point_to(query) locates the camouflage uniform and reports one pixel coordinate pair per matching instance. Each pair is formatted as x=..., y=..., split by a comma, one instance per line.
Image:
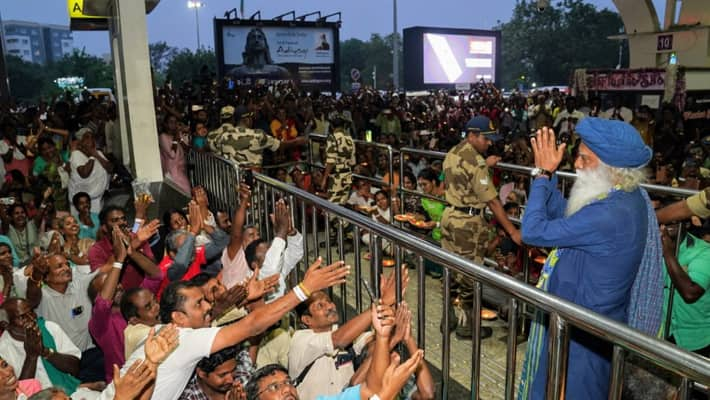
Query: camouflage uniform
x=340, y=151
x=242, y=145
x=468, y=184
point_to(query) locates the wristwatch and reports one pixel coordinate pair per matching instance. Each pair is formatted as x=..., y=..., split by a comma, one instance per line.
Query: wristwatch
x=537, y=171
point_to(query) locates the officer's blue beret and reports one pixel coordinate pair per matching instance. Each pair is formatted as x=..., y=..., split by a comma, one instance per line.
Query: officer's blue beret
x=616, y=143
x=483, y=125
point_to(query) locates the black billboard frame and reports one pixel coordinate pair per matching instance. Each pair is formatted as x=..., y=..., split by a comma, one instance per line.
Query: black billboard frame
x=220, y=23
x=413, y=39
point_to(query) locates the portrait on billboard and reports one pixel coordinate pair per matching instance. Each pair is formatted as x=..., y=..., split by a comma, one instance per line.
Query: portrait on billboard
x=258, y=63
x=323, y=44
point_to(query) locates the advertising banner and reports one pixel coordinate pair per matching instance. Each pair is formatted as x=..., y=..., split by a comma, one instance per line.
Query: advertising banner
x=253, y=54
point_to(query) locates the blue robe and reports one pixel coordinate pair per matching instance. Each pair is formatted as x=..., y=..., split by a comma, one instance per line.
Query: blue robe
x=602, y=246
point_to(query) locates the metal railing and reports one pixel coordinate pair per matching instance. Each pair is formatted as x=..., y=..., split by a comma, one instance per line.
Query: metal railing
x=212, y=171
x=563, y=314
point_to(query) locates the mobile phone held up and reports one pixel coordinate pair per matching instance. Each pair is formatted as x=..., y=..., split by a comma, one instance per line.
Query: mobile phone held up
x=248, y=178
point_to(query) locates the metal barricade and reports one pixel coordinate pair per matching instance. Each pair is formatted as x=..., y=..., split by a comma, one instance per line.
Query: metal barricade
x=215, y=173
x=390, y=152
x=563, y=314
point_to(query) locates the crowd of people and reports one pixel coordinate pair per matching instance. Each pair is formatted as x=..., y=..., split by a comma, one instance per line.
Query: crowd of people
x=103, y=304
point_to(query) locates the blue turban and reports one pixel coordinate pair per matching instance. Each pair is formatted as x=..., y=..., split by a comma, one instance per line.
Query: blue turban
x=616, y=143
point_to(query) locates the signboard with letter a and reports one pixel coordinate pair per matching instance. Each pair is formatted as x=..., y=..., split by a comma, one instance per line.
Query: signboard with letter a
x=83, y=18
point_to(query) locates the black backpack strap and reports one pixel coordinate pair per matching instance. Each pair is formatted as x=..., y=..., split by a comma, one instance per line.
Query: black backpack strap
x=303, y=373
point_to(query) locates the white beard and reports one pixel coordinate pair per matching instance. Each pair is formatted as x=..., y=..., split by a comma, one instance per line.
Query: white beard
x=590, y=184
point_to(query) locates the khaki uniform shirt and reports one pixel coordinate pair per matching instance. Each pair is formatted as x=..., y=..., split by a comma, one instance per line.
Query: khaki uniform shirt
x=698, y=203
x=468, y=183
x=242, y=145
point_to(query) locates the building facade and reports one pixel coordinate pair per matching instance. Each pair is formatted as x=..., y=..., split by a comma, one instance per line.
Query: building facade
x=37, y=43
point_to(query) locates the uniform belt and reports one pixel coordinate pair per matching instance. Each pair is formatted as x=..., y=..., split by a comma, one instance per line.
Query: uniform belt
x=345, y=169
x=469, y=210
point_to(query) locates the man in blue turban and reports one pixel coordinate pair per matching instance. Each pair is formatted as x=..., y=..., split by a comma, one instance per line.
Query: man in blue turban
x=606, y=253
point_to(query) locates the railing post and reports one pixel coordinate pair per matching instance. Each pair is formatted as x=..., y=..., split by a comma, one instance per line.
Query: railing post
x=685, y=389
x=341, y=256
x=558, y=355
x=616, y=385
x=391, y=183
x=446, y=340
x=421, y=303
x=328, y=254
x=376, y=262
x=512, y=349
x=476, y=351
x=304, y=232
x=358, y=269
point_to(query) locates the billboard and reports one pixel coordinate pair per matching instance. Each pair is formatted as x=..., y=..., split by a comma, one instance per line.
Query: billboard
x=253, y=52
x=449, y=58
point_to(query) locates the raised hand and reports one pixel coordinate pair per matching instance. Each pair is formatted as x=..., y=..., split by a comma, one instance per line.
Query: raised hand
x=396, y=375
x=317, y=278
x=40, y=266
x=55, y=246
x=158, y=347
x=194, y=217
x=281, y=219
x=382, y=319
x=388, y=287
x=33, y=340
x=244, y=195
x=119, y=247
x=236, y=392
x=548, y=154
x=236, y=296
x=401, y=323
x=257, y=288
x=146, y=231
x=130, y=385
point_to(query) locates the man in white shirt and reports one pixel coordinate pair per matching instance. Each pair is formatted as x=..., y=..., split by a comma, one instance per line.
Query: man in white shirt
x=568, y=118
x=64, y=300
x=318, y=359
x=22, y=346
x=619, y=112
x=89, y=170
x=183, y=304
x=282, y=256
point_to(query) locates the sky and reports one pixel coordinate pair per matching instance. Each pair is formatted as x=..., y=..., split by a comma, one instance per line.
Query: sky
x=171, y=21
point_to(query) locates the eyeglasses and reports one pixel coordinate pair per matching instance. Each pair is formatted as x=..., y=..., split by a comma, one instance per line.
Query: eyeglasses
x=276, y=386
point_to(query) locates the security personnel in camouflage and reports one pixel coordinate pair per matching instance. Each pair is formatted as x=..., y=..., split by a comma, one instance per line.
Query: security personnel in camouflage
x=242, y=144
x=469, y=189
x=339, y=160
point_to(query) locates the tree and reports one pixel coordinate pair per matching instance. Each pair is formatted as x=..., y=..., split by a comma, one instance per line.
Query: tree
x=96, y=72
x=29, y=81
x=365, y=56
x=546, y=46
x=26, y=79
x=186, y=65
x=160, y=55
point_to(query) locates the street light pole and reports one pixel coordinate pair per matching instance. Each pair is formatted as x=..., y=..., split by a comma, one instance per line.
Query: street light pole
x=395, y=47
x=196, y=5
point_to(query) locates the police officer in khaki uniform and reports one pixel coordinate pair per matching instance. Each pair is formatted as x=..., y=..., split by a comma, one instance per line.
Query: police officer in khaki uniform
x=241, y=143
x=469, y=189
x=339, y=160
x=696, y=204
